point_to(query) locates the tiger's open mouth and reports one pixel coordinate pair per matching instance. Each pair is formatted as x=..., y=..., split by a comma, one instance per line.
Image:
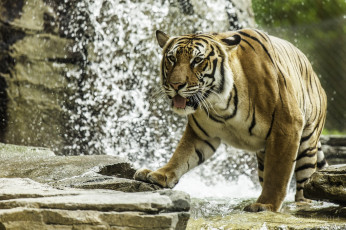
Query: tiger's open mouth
x=180, y=102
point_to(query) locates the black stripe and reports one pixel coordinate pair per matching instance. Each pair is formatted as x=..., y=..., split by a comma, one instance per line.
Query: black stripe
x=305, y=153
x=194, y=119
x=321, y=163
x=211, y=117
x=260, y=33
x=201, y=39
x=235, y=104
x=228, y=101
x=260, y=166
x=256, y=39
x=308, y=136
x=205, y=66
x=249, y=44
x=319, y=149
x=211, y=53
x=271, y=125
x=302, y=181
x=253, y=122
x=222, y=83
x=210, y=145
x=212, y=75
x=200, y=157
x=199, y=44
x=306, y=166
x=260, y=179
x=299, y=188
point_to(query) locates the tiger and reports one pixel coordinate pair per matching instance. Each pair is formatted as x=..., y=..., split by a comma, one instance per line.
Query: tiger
x=252, y=91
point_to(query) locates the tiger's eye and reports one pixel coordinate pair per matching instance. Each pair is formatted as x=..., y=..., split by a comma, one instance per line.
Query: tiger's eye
x=198, y=59
x=171, y=58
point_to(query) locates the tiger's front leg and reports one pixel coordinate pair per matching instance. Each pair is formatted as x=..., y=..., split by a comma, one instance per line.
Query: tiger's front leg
x=191, y=151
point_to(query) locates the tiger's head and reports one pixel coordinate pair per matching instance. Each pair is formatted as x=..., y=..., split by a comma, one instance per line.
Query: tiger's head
x=194, y=69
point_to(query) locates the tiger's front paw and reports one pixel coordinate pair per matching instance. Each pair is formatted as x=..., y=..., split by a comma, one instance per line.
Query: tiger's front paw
x=160, y=177
x=258, y=207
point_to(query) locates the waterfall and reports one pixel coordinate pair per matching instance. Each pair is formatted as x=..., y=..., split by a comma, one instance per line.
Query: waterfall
x=119, y=110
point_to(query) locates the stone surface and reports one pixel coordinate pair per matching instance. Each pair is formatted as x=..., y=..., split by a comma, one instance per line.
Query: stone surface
x=265, y=220
x=216, y=213
x=107, y=197
x=17, y=151
x=334, y=148
x=96, y=181
x=328, y=184
x=24, y=202
x=89, y=172
x=34, y=58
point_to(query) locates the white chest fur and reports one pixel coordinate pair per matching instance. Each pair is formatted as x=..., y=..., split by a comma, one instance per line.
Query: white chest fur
x=234, y=132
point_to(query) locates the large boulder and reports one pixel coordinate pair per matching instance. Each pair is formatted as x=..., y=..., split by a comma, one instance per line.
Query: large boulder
x=328, y=184
x=40, y=190
x=92, y=172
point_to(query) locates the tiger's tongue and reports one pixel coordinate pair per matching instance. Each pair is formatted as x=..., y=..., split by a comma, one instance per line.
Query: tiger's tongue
x=179, y=102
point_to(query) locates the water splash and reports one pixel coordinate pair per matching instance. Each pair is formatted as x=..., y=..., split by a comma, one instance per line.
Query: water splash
x=114, y=111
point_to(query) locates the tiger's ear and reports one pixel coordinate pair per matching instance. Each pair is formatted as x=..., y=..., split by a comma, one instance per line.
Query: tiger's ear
x=232, y=41
x=162, y=38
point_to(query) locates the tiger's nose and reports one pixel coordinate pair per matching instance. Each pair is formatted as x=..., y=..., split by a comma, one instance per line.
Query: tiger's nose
x=178, y=85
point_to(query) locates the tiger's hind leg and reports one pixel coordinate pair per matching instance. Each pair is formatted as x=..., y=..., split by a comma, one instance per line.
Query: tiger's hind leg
x=310, y=158
x=321, y=160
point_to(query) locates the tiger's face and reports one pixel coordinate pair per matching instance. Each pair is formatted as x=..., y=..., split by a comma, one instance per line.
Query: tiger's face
x=192, y=70
x=184, y=65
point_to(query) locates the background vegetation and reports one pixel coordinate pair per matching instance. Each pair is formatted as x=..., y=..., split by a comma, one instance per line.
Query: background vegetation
x=318, y=28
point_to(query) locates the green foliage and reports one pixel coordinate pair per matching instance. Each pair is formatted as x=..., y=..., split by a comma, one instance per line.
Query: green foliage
x=333, y=132
x=294, y=12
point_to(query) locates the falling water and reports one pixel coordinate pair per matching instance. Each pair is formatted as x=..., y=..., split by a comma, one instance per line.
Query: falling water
x=118, y=109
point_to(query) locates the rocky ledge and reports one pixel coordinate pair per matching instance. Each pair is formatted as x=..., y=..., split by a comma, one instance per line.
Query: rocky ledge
x=328, y=184
x=39, y=190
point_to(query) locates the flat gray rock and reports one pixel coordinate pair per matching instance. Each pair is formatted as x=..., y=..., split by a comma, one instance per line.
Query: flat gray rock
x=89, y=172
x=23, y=201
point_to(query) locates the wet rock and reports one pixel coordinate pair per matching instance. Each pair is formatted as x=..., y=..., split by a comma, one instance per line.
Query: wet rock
x=17, y=151
x=24, y=202
x=227, y=213
x=324, y=212
x=104, y=182
x=52, y=168
x=328, y=184
x=34, y=58
x=81, y=192
x=264, y=220
x=334, y=148
x=89, y=172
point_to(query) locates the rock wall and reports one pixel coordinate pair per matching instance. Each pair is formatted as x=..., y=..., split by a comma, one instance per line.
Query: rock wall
x=34, y=56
